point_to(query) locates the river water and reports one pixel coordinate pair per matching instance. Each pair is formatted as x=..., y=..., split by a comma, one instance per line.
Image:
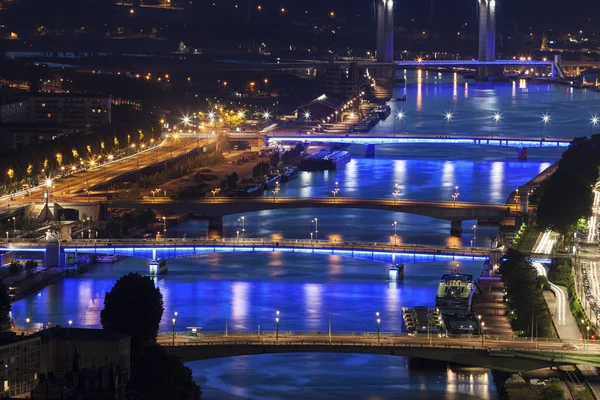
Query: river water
x=243, y=291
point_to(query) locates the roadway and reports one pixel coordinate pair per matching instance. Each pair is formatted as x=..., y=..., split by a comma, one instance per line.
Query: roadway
x=504, y=353
x=72, y=187
x=220, y=206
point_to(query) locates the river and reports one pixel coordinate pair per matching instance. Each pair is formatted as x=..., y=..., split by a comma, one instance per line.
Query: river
x=244, y=290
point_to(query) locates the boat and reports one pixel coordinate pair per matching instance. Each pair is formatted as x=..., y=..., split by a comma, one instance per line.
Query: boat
x=396, y=272
x=106, y=258
x=383, y=111
x=455, y=294
x=158, y=267
x=289, y=173
x=269, y=180
x=324, y=160
x=422, y=319
x=250, y=190
x=403, y=98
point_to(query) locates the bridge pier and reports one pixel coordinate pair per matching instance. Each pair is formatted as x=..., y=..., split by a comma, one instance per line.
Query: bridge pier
x=369, y=150
x=215, y=226
x=522, y=153
x=456, y=228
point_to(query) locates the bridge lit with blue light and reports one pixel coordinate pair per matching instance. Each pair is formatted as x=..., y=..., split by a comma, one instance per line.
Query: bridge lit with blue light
x=378, y=139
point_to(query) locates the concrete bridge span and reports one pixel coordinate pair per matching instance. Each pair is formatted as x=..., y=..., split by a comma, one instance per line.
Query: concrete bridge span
x=509, y=356
x=215, y=208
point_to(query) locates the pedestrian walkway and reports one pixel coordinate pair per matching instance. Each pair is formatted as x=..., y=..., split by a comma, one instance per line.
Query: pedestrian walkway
x=488, y=302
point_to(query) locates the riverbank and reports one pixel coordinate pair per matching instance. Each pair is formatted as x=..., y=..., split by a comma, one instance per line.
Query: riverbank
x=25, y=283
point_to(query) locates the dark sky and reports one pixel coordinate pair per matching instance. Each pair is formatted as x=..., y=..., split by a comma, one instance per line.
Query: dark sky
x=540, y=14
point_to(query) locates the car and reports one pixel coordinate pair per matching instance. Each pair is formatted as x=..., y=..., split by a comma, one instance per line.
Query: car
x=569, y=346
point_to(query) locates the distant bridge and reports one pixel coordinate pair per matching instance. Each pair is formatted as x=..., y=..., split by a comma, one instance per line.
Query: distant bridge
x=494, y=353
x=217, y=207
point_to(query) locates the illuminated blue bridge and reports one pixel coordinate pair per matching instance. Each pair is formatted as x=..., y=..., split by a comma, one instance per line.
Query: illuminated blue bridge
x=369, y=141
x=172, y=248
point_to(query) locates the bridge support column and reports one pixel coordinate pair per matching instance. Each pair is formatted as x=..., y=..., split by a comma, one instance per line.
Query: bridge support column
x=215, y=226
x=456, y=228
x=52, y=255
x=369, y=150
x=522, y=153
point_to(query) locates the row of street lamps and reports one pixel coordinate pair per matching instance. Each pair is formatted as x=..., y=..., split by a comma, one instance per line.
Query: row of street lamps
x=496, y=117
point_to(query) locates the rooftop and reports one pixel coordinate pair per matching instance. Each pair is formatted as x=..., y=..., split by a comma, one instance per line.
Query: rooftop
x=59, y=332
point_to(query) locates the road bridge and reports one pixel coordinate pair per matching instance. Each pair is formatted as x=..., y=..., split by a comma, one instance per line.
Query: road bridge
x=494, y=353
x=170, y=248
x=369, y=141
x=214, y=208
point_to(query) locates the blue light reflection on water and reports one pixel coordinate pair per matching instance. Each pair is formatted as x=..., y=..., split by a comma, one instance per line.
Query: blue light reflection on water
x=246, y=290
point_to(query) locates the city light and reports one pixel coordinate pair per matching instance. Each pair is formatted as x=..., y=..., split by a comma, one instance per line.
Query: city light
x=545, y=118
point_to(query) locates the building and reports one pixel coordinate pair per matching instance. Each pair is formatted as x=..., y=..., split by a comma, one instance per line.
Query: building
x=13, y=135
x=20, y=356
x=14, y=110
x=92, y=348
x=81, y=112
x=591, y=77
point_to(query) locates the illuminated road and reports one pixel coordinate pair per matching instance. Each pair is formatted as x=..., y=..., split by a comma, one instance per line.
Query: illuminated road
x=545, y=243
x=562, y=305
x=72, y=187
x=593, y=221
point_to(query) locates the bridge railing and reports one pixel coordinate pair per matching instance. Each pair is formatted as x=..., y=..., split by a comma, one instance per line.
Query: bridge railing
x=324, y=335
x=259, y=242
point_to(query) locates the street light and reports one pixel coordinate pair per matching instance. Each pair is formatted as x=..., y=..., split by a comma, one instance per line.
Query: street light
x=27, y=320
x=277, y=326
x=447, y=117
x=306, y=117
x=400, y=117
x=335, y=192
x=396, y=192
x=455, y=195
x=595, y=121
x=496, y=118
x=70, y=323
x=378, y=328
x=475, y=233
x=174, y=320
x=316, y=222
x=545, y=120
x=482, y=333
x=266, y=116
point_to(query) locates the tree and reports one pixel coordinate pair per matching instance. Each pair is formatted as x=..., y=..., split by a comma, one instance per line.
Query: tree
x=554, y=392
x=14, y=268
x=159, y=376
x=274, y=160
x=127, y=222
x=30, y=265
x=134, y=306
x=232, y=180
x=5, y=307
x=260, y=169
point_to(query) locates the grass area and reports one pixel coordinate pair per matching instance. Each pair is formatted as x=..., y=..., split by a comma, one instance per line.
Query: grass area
x=580, y=392
x=525, y=392
x=527, y=240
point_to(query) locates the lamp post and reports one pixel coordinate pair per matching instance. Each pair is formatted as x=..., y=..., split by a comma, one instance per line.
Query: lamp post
x=378, y=328
x=306, y=117
x=46, y=195
x=174, y=320
x=545, y=120
x=517, y=199
x=164, y=227
x=474, y=232
x=482, y=333
x=70, y=323
x=447, y=117
x=243, y=225
x=595, y=121
x=14, y=227
x=495, y=119
x=396, y=192
x=27, y=320
x=400, y=117
x=455, y=195
x=335, y=191
x=316, y=222
x=277, y=327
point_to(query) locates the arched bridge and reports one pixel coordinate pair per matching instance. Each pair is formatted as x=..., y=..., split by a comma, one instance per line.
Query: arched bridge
x=217, y=207
x=493, y=353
